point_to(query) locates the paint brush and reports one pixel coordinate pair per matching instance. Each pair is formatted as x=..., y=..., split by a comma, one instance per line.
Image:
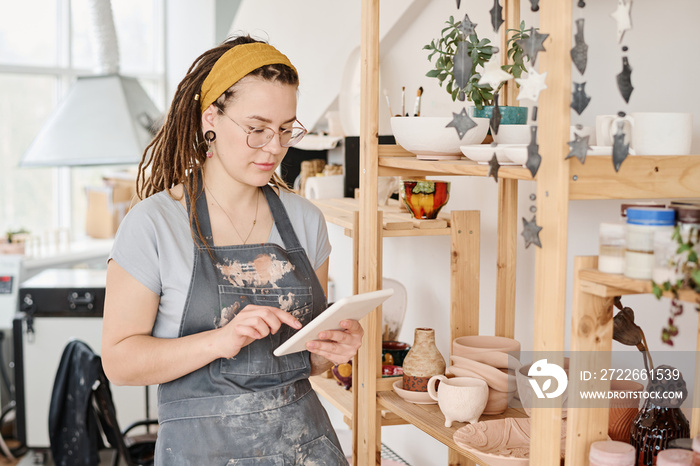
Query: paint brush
x=388, y=103
x=416, y=109
x=403, y=101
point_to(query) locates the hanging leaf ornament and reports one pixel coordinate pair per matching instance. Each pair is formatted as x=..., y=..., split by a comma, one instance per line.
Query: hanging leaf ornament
x=579, y=98
x=462, y=67
x=496, y=16
x=624, y=80
x=495, y=121
x=533, y=155
x=579, y=53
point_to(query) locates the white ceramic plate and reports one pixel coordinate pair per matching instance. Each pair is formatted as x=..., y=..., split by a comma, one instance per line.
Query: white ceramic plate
x=482, y=153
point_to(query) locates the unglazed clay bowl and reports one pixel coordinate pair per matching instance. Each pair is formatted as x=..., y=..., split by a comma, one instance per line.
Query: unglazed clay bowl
x=497, y=401
x=431, y=139
x=419, y=398
x=526, y=392
x=425, y=198
x=496, y=378
x=463, y=346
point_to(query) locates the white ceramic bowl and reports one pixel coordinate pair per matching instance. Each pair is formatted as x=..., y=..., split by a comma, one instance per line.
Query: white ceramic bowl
x=512, y=134
x=431, y=139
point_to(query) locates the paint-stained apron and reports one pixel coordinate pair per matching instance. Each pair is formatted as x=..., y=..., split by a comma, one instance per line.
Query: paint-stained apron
x=255, y=408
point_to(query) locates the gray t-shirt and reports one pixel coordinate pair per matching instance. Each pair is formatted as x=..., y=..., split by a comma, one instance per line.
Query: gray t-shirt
x=155, y=246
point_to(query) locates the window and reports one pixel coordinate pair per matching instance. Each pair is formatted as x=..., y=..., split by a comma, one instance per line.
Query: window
x=40, y=57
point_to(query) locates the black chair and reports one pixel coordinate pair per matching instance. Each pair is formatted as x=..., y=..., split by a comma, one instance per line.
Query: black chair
x=82, y=415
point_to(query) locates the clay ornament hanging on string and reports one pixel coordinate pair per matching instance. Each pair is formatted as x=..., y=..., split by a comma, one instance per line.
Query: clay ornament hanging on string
x=533, y=155
x=461, y=122
x=462, y=68
x=623, y=18
x=532, y=85
x=458, y=3
x=531, y=232
x=579, y=147
x=496, y=16
x=620, y=147
x=624, y=80
x=466, y=26
x=494, y=166
x=533, y=44
x=495, y=121
x=493, y=74
x=579, y=52
x=579, y=98
x=535, y=5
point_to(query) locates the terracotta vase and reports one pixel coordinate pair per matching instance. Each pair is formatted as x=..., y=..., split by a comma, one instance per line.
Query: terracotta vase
x=422, y=362
x=623, y=409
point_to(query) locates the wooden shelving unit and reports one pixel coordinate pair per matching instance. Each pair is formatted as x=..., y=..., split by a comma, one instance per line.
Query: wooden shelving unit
x=558, y=182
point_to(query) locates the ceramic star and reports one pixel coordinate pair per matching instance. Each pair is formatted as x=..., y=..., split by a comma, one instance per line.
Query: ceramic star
x=624, y=80
x=533, y=155
x=493, y=74
x=495, y=121
x=461, y=122
x=494, y=166
x=579, y=98
x=531, y=232
x=579, y=148
x=496, y=15
x=533, y=44
x=623, y=18
x=620, y=148
x=579, y=53
x=466, y=26
x=532, y=85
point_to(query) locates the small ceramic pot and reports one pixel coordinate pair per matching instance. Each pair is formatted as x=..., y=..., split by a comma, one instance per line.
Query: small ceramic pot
x=422, y=362
x=460, y=399
x=425, y=198
x=394, y=352
x=623, y=409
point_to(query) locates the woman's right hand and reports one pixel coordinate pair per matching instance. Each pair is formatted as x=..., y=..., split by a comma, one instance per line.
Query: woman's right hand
x=252, y=323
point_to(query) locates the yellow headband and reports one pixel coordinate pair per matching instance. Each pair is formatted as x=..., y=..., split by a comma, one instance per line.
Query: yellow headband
x=234, y=65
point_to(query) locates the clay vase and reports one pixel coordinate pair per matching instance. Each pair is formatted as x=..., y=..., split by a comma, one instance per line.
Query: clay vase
x=422, y=362
x=623, y=410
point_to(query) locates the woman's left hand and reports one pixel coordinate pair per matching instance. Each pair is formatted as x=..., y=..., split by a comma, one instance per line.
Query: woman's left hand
x=338, y=346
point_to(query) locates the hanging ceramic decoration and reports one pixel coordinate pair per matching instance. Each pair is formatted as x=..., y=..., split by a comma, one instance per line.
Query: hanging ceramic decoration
x=458, y=3
x=579, y=148
x=620, y=148
x=461, y=122
x=494, y=166
x=581, y=4
x=532, y=85
x=495, y=121
x=466, y=26
x=579, y=98
x=462, y=70
x=535, y=5
x=533, y=156
x=531, y=232
x=533, y=44
x=496, y=16
x=624, y=81
x=579, y=52
x=493, y=74
x=622, y=16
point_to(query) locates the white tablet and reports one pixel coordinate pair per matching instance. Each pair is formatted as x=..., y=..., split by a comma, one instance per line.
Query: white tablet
x=352, y=307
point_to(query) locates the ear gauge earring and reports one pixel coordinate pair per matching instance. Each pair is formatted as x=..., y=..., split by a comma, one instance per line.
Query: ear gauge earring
x=209, y=136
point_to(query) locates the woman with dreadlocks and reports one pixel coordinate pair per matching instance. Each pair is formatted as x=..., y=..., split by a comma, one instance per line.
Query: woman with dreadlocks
x=217, y=265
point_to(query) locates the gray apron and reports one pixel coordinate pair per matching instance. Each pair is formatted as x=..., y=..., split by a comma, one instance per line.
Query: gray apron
x=255, y=408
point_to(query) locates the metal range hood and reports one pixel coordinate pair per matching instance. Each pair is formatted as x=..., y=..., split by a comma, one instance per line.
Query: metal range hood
x=105, y=119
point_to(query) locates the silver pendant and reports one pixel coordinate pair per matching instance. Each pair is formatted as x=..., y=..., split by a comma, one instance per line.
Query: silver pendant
x=579, y=53
x=461, y=122
x=579, y=99
x=624, y=80
x=533, y=156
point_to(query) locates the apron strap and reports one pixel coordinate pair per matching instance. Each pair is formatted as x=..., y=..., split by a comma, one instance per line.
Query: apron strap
x=279, y=214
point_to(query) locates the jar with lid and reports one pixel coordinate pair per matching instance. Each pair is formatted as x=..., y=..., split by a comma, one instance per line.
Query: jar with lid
x=611, y=252
x=674, y=457
x=689, y=223
x=642, y=224
x=611, y=453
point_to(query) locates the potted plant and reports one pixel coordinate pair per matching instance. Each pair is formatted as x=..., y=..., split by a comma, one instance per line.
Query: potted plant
x=480, y=51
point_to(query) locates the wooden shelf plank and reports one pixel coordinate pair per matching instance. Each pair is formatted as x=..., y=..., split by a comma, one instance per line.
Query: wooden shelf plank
x=430, y=419
x=411, y=166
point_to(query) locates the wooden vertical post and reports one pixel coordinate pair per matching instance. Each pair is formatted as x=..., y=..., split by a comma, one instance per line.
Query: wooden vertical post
x=552, y=212
x=511, y=11
x=506, y=258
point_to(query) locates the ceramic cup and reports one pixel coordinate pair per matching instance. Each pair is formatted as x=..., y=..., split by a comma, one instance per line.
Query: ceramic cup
x=460, y=399
x=661, y=133
x=606, y=127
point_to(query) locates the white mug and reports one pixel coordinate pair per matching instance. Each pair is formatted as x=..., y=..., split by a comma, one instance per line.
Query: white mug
x=656, y=133
x=460, y=399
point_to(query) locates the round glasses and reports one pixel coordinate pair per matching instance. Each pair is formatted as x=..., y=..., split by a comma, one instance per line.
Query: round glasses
x=259, y=136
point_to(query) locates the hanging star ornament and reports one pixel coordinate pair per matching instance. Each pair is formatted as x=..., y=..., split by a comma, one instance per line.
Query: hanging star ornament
x=531, y=232
x=579, y=148
x=533, y=155
x=493, y=74
x=533, y=44
x=624, y=80
x=495, y=121
x=620, y=148
x=494, y=166
x=462, y=68
x=466, y=26
x=579, y=98
x=623, y=18
x=461, y=122
x=579, y=52
x=532, y=85
x=496, y=15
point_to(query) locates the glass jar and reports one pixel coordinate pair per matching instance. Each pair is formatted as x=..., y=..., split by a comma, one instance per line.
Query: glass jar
x=689, y=223
x=665, y=247
x=611, y=453
x=611, y=252
x=642, y=223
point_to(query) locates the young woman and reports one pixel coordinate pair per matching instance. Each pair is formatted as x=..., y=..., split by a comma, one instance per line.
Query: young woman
x=219, y=264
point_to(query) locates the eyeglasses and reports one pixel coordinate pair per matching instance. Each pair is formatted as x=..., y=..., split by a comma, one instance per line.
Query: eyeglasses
x=259, y=136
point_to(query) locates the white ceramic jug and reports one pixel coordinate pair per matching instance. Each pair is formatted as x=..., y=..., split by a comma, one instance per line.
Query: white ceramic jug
x=460, y=399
